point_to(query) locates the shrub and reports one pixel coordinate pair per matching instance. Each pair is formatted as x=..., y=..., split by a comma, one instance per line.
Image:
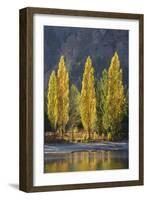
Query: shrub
x=94, y=136
x=75, y=130
x=109, y=136
x=103, y=136
x=98, y=135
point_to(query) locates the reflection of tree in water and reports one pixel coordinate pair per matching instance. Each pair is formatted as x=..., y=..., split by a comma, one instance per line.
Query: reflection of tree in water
x=88, y=161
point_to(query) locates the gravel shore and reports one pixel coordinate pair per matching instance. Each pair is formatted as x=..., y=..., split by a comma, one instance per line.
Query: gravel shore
x=68, y=148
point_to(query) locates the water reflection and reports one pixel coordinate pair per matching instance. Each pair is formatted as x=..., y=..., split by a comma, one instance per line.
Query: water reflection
x=86, y=161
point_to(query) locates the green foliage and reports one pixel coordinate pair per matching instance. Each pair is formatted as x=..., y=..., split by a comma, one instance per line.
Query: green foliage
x=104, y=105
x=124, y=123
x=98, y=125
x=101, y=95
x=115, y=98
x=103, y=136
x=74, y=109
x=126, y=105
x=88, y=98
x=75, y=130
x=109, y=136
x=112, y=105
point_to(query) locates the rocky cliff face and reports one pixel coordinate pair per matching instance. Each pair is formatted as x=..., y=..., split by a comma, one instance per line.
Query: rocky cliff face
x=77, y=43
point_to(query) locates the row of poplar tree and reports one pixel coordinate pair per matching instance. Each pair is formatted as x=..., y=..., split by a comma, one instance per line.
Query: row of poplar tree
x=99, y=107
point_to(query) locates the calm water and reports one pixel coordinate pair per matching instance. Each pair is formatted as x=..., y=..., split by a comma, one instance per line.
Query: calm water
x=86, y=161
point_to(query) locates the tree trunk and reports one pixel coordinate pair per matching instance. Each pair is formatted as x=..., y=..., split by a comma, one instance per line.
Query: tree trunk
x=89, y=133
x=62, y=133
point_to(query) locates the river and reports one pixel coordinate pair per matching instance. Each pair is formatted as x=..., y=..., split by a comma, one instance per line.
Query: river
x=83, y=157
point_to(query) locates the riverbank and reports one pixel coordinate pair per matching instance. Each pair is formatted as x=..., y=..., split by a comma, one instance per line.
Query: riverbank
x=77, y=147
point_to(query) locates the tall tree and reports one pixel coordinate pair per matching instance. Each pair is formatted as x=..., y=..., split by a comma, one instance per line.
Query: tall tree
x=74, y=107
x=115, y=97
x=98, y=125
x=104, y=94
x=63, y=95
x=124, y=123
x=52, y=100
x=88, y=98
x=101, y=96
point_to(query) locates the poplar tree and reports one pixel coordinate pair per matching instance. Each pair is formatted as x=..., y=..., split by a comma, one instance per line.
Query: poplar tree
x=88, y=98
x=99, y=125
x=63, y=95
x=115, y=98
x=52, y=100
x=104, y=106
x=102, y=123
x=74, y=109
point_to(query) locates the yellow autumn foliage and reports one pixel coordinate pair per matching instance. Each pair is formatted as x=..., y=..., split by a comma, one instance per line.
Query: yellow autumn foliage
x=52, y=100
x=115, y=98
x=63, y=95
x=88, y=97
